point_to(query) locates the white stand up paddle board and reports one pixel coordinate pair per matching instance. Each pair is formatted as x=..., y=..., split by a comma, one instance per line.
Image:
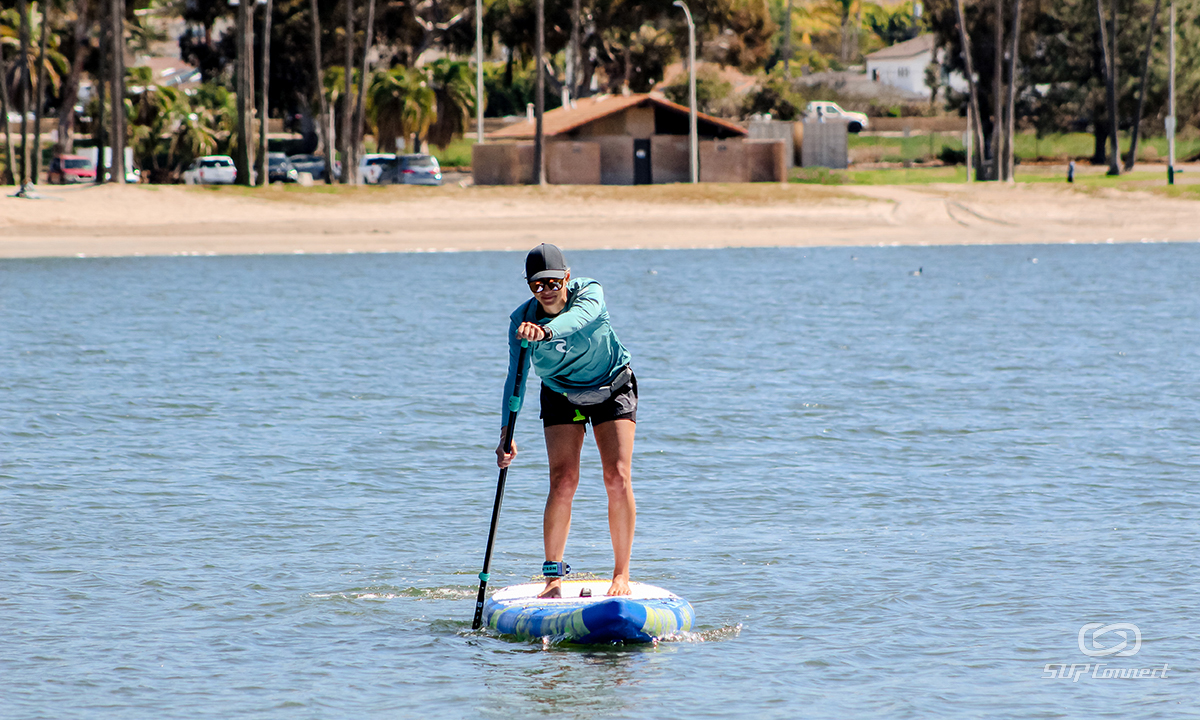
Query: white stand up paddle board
x=584, y=614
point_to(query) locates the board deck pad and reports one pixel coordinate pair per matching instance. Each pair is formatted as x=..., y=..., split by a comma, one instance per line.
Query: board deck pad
x=649, y=613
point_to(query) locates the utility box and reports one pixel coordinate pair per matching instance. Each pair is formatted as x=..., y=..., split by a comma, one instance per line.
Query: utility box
x=502, y=163
x=573, y=163
x=766, y=160
x=826, y=144
x=723, y=161
x=764, y=128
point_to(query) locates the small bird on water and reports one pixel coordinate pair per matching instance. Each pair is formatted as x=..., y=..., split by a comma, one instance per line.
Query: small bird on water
x=917, y=272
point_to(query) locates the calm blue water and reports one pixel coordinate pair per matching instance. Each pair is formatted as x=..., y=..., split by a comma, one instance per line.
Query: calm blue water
x=260, y=486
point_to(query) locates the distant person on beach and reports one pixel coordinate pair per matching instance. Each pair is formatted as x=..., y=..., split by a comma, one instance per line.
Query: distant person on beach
x=585, y=377
x=1071, y=172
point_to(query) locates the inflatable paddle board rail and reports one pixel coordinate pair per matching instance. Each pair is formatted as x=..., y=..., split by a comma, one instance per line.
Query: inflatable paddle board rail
x=585, y=615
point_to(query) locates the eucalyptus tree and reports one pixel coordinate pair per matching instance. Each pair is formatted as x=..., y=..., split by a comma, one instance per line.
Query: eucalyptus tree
x=1010, y=112
x=974, y=38
x=243, y=156
x=346, y=136
x=356, y=133
x=8, y=143
x=265, y=102
x=631, y=41
x=324, y=123
x=893, y=24
x=1108, y=50
x=849, y=14
x=80, y=18
x=117, y=60
x=23, y=71
x=39, y=103
x=1141, y=104
x=197, y=44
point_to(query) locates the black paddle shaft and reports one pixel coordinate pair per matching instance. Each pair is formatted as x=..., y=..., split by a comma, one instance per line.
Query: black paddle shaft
x=514, y=405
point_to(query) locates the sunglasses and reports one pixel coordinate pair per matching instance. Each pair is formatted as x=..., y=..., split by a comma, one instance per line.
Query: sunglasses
x=554, y=284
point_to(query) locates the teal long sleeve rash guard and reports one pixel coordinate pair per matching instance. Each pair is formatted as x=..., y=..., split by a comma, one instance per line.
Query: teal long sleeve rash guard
x=583, y=351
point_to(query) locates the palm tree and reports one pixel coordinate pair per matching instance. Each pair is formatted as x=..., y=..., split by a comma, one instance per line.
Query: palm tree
x=454, y=90
x=420, y=110
x=334, y=89
x=385, y=106
x=216, y=107
x=197, y=133
x=54, y=64
x=153, y=116
x=168, y=129
x=36, y=62
x=144, y=34
x=401, y=105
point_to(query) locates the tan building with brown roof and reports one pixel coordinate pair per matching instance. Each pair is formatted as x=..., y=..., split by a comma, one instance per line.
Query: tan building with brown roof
x=625, y=140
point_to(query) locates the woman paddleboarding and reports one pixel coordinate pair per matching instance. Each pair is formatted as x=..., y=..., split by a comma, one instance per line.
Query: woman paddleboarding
x=586, y=378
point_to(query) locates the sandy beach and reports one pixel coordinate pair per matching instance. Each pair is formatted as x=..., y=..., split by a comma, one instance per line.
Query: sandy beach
x=177, y=220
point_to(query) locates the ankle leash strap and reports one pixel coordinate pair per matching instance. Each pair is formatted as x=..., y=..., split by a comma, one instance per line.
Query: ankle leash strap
x=555, y=569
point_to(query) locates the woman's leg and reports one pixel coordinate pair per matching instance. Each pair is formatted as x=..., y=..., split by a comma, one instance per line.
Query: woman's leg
x=563, y=445
x=614, y=439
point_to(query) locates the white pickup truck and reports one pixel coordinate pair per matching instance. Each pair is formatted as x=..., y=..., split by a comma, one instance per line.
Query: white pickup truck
x=825, y=110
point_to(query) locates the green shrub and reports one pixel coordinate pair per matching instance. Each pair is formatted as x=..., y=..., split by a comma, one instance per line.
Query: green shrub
x=776, y=96
x=714, y=95
x=952, y=156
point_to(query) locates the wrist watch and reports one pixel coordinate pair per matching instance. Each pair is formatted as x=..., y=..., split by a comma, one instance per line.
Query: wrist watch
x=546, y=332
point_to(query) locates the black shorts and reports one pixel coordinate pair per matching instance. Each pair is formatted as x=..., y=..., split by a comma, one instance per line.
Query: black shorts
x=558, y=410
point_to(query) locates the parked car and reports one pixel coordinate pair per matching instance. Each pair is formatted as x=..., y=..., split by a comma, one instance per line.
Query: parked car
x=416, y=169
x=825, y=110
x=280, y=169
x=314, y=165
x=67, y=169
x=211, y=170
x=372, y=165
x=133, y=175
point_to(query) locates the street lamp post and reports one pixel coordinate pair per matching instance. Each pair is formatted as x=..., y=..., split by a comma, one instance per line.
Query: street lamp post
x=694, y=140
x=479, y=71
x=1171, y=105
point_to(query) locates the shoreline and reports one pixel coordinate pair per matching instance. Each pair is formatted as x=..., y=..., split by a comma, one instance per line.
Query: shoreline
x=115, y=221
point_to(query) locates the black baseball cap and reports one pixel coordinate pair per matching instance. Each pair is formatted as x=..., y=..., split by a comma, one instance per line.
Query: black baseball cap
x=545, y=261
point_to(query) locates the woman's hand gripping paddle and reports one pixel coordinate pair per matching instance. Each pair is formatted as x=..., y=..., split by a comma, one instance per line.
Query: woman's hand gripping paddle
x=514, y=405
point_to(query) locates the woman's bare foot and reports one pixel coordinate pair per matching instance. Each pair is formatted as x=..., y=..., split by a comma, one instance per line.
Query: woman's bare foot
x=553, y=589
x=620, y=586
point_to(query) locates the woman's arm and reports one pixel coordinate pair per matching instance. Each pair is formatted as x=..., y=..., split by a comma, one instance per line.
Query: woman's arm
x=583, y=309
